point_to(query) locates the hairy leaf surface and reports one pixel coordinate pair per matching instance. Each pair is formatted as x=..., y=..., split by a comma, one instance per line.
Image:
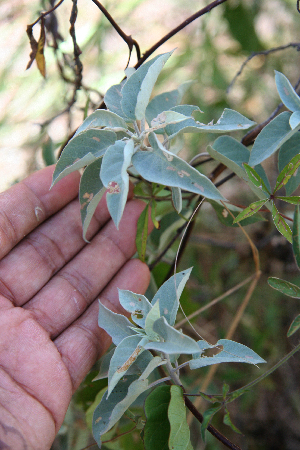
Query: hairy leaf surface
x=116, y=325
x=286, y=92
x=180, y=433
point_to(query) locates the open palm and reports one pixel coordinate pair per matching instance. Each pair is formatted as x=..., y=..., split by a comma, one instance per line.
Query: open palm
x=50, y=281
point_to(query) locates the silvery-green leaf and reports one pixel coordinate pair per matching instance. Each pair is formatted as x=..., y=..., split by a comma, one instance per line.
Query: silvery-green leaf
x=104, y=366
x=229, y=121
x=167, y=117
x=102, y=415
x=113, y=98
x=138, y=305
x=165, y=101
x=290, y=149
x=102, y=118
x=231, y=153
x=116, y=325
x=111, y=409
x=231, y=352
x=174, y=340
x=286, y=92
x=177, y=198
x=169, y=293
x=152, y=316
x=81, y=151
x=163, y=167
x=91, y=190
x=186, y=110
x=295, y=119
x=114, y=176
x=124, y=356
x=271, y=138
x=176, y=144
x=137, y=90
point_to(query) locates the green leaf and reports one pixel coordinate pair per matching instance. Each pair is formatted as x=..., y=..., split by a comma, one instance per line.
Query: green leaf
x=250, y=210
x=137, y=90
x=286, y=92
x=81, y=151
x=153, y=214
x=124, y=356
x=271, y=138
x=229, y=121
x=295, y=325
x=102, y=119
x=285, y=287
x=207, y=417
x=91, y=190
x=138, y=305
x=231, y=153
x=163, y=167
x=157, y=428
x=169, y=293
x=288, y=171
x=227, y=219
x=142, y=233
x=180, y=433
x=116, y=325
x=165, y=101
x=48, y=152
x=230, y=352
x=177, y=198
x=293, y=200
x=114, y=176
x=288, y=150
x=281, y=224
x=174, y=341
x=227, y=420
x=104, y=366
x=296, y=236
x=255, y=178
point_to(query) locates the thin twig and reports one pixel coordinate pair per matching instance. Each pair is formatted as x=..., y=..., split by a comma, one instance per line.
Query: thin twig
x=128, y=39
x=44, y=14
x=263, y=52
x=180, y=27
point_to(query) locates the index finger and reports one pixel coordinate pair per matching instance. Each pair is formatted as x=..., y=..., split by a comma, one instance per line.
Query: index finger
x=27, y=204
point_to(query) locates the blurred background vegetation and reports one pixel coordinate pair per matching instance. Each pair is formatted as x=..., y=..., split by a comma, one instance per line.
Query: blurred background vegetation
x=210, y=51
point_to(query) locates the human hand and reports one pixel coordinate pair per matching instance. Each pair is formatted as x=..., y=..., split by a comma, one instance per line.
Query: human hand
x=50, y=281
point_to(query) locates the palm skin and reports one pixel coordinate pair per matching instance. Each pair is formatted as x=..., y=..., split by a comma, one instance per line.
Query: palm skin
x=50, y=281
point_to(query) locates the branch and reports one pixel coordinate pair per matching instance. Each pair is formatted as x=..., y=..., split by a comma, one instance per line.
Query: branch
x=44, y=14
x=128, y=39
x=180, y=27
x=264, y=52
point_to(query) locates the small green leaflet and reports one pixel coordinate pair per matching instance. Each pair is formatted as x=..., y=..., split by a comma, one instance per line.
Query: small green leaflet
x=287, y=173
x=286, y=92
x=227, y=420
x=256, y=178
x=250, y=210
x=157, y=428
x=296, y=236
x=207, y=417
x=295, y=325
x=180, y=434
x=290, y=149
x=293, y=200
x=281, y=224
x=285, y=287
x=142, y=233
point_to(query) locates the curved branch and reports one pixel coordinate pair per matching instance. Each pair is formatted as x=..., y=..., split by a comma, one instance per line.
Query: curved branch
x=180, y=27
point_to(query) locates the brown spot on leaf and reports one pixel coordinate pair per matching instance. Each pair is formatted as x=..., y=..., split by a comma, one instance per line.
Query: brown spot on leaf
x=113, y=187
x=199, y=187
x=130, y=360
x=96, y=138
